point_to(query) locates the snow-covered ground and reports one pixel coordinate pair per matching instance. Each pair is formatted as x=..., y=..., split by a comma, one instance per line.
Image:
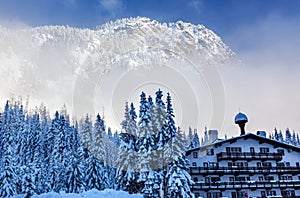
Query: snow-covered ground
x=108, y=193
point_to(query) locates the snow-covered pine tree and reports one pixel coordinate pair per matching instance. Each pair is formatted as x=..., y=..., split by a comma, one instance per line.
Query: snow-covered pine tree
x=7, y=175
x=28, y=182
x=151, y=185
x=126, y=162
x=76, y=168
x=288, y=136
x=110, y=157
x=52, y=155
x=171, y=128
x=205, y=136
x=86, y=134
x=146, y=144
x=116, y=139
x=109, y=133
x=280, y=137
x=276, y=135
x=159, y=120
x=190, y=137
x=60, y=155
x=178, y=180
x=195, y=142
x=160, y=125
x=96, y=173
x=98, y=149
x=75, y=176
x=294, y=139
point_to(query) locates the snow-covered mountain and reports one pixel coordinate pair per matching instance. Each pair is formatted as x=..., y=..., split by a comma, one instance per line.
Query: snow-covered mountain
x=54, y=63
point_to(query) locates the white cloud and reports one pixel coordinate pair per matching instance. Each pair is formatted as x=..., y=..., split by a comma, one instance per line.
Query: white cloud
x=196, y=4
x=112, y=6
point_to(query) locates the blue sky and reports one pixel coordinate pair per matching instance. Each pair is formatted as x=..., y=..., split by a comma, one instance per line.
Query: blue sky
x=263, y=33
x=225, y=17
x=222, y=16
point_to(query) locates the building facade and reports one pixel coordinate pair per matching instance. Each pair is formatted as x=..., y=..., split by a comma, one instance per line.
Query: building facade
x=245, y=166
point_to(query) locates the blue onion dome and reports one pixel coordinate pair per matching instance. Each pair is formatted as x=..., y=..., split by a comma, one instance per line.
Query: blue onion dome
x=240, y=117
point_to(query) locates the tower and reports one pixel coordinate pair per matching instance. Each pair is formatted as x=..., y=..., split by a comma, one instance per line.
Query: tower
x=241, y=119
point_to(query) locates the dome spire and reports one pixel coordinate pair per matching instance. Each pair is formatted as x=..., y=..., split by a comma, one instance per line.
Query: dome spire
x=241, y=119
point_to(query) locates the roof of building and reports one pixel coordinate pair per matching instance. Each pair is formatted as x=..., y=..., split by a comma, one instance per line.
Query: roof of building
x=259, y=138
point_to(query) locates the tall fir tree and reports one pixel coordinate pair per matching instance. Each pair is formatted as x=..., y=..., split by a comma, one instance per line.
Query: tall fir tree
x=126, y=162
x=288, y=136
x=7, y=176
x=178, y=181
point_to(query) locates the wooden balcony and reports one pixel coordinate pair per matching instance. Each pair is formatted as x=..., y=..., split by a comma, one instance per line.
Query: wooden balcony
x=243, y=170
x=248, y=156
x=295, y=184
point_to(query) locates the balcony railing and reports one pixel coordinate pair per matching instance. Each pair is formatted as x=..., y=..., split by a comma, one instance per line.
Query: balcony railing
x=248, y=156
x=243, y=170
x=246, y=185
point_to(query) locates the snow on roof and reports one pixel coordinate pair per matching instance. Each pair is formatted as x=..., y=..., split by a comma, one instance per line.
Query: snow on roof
x=219, y=142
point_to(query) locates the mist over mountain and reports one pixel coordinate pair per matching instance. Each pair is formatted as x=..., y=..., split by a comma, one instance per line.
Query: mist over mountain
x=94, y=70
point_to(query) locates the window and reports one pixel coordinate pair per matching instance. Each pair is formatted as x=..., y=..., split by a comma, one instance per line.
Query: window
x=260, y=178
x=194, y=164
x=236, y=149
x=214, y=194
x=258, y=164
x=264, y=150
x=269, y=178
x=215, y=179
x=263, y=193
x=280, y=164
x=213, y=165
x=197, y=194
x=290, y=178
x=283, y=178
x=195, y=179
x=227, y=149
x=210, y=152
x=240, y=164
x=240, y=179
x=297, y=164
x=207, y=180
x=195, y=155
x=271, y=193
x=217, y=194
x=208, y=195
x=252, y=150
x=231, y=178
x=287, y=164
x=229, y=164
x=288, y=193
x=205, y=164
x=266, y=164
x=280, y=151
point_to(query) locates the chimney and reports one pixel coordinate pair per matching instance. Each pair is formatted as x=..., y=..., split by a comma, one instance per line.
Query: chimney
x=261, y=133
x=213, y=135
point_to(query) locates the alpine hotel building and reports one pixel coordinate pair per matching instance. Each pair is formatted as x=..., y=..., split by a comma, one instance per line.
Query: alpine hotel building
x=245, y=166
